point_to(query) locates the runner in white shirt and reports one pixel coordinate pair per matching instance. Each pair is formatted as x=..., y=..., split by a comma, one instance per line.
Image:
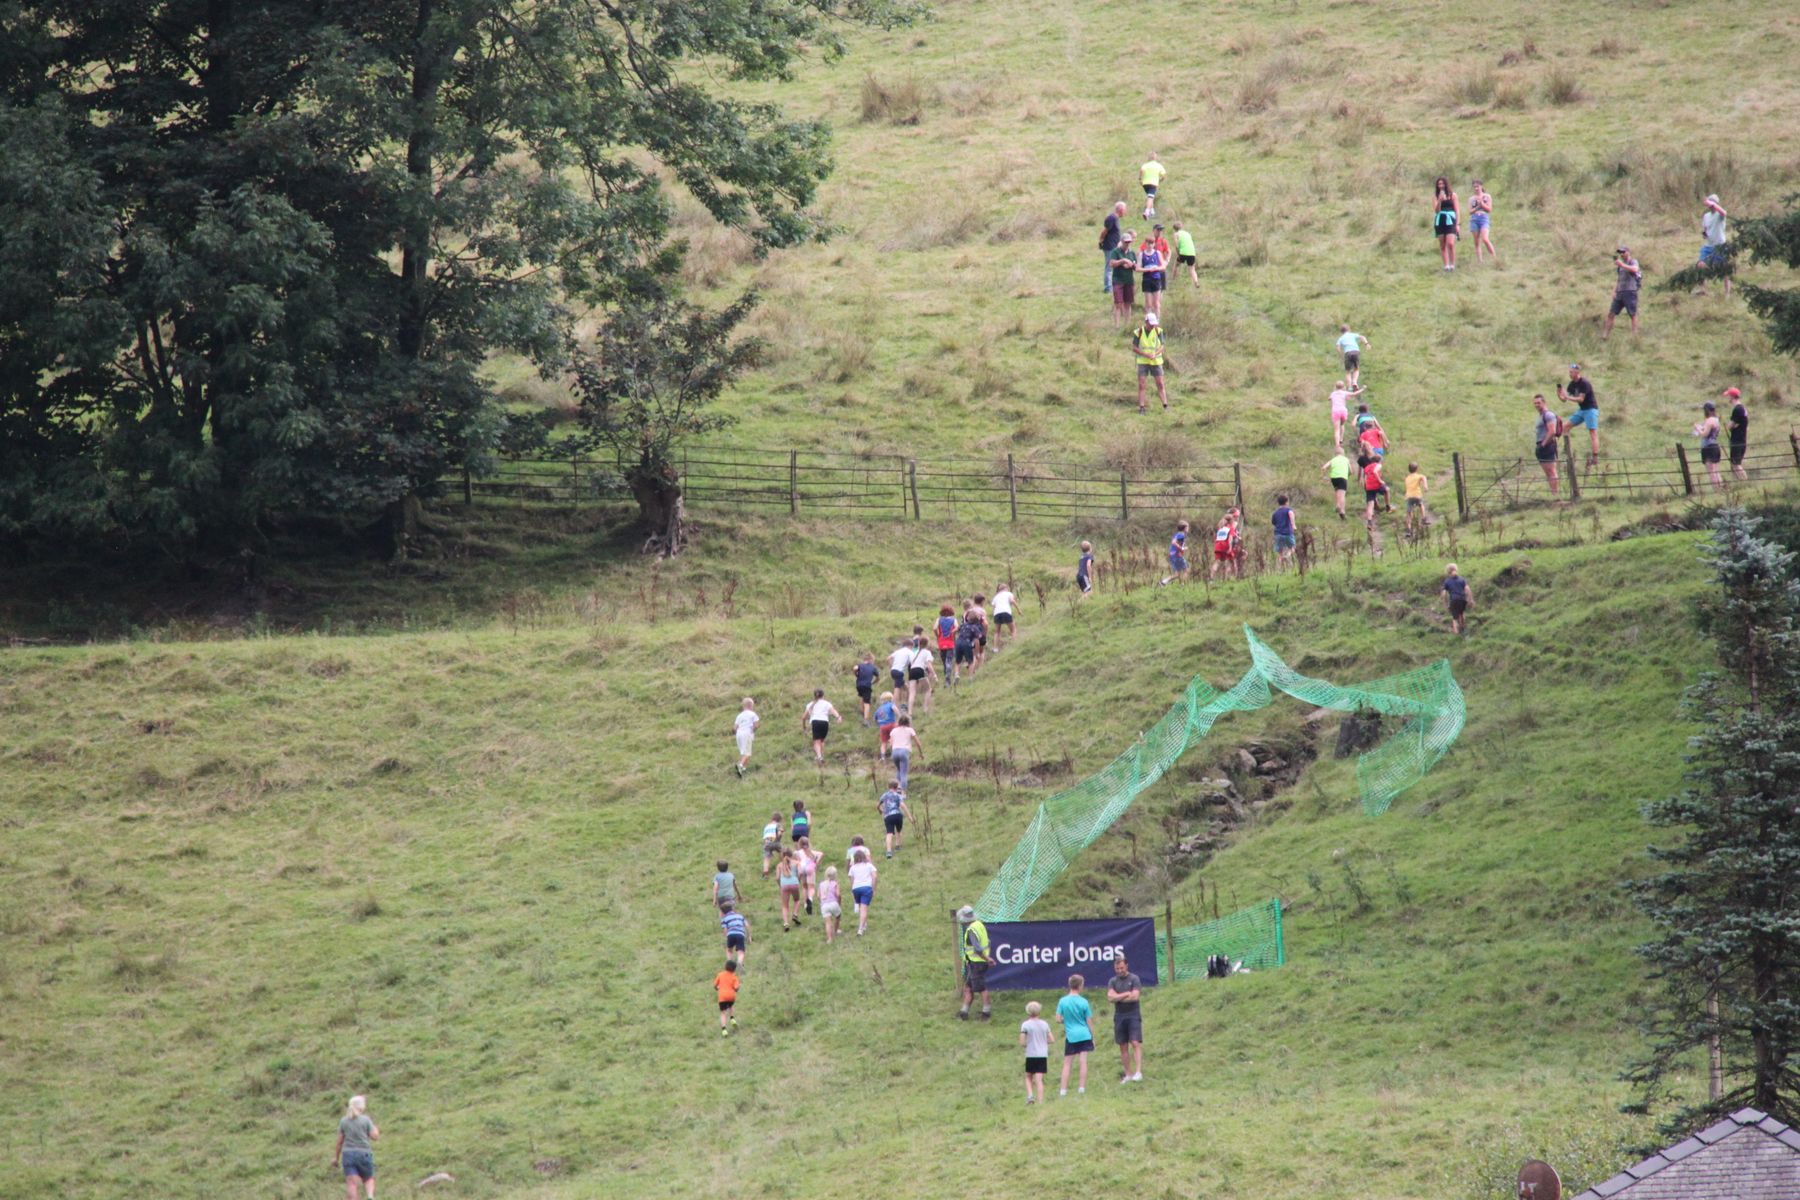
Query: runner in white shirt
x=898, y=661
x=818, y=716
x=921, y=668
x=862, y=889
x=1003, y=617
x=745, y=728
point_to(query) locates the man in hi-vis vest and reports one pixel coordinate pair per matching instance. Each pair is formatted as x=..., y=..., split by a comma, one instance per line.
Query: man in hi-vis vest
x=976, y=956
x=1147, y=348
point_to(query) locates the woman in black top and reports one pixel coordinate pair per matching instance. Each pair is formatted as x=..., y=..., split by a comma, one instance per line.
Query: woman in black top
x=1446, y=212
x=1740, y=432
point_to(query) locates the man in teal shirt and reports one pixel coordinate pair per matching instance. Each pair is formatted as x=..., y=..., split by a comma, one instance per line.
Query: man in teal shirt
x=1074, y=1013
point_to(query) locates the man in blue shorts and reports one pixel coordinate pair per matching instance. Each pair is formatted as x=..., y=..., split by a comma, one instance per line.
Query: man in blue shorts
x=1283, y=521
x=1178, y=563
x=1587, y=409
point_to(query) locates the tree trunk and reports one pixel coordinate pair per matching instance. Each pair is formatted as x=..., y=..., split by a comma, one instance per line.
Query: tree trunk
x=660, y=507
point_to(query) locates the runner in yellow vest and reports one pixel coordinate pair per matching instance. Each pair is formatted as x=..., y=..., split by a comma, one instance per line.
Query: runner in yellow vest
x=976, y=956
x=1151, y=176
x=1147, y=348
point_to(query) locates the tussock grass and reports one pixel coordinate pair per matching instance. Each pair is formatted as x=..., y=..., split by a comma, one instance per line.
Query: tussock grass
x=900, y=102
x=1562, y=87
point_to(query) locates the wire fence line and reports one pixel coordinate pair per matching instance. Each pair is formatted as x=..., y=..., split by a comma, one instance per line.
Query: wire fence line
x=815, y=481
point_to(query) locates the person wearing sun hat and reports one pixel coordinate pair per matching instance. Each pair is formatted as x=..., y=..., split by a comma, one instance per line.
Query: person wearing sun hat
x=1739, y=427
x=1147, y=348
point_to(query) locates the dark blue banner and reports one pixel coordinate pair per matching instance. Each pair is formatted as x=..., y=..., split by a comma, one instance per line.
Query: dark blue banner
x=1041, y=955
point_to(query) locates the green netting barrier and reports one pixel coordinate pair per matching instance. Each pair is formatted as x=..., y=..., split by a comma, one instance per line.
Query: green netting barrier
x=1427, y=701
x=1250, y=937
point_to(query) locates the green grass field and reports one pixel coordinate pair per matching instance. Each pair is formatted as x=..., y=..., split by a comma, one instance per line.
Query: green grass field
x=441, y=832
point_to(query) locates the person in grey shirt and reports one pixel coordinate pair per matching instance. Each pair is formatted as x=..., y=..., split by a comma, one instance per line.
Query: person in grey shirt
x=1625, y=291
x=1545, y=434
x=355, y=1148
x=1123, y=989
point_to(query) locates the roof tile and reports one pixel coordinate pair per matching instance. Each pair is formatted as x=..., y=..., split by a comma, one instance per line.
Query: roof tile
x=1771, y=1126
x=1682, y=1149
x=1748, y=1116
x=1715, y=1133
x=1790, y=1138
x=1649, y=1166
x=1617, y=1183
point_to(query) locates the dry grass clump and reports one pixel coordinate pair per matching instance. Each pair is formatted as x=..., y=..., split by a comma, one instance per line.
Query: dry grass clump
x=1526, y=53
x=1474, y=88
x=898, y=103
x=950, y=223
x=1148, y=452
x=1562, y=87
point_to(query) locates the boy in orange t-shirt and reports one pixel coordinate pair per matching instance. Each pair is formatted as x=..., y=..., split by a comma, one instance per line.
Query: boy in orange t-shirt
x=726, y=984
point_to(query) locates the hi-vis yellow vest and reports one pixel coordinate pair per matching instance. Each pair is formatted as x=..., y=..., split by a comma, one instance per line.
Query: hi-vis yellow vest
x=975, y=942
x=1149, y=345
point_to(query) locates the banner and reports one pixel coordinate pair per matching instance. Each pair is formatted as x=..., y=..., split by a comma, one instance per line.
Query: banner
x=1041, y=955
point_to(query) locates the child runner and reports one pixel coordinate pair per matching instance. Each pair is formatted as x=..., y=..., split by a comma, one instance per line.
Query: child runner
x=1352, y=345
x=745, y=729
x=1340, y=410
x=922, y=669
x=1184, y=254
x=1481, y=211
x=726, y=984
x=1416, y=487
x=1457, y=596
x=1003, y=617
x=819, y=715
x=1074, y=1014
x=885, y=716
x=1151, y=176
x=1371, y=437
x=977, y=606
x=856, y=843
x=724, y=885
x=865, y=671
x=893, y=814
x=1034, y=1036
x=968, y=635
x=1337, y=469
x=1228, y=546
x=807, y=859
x=1153, y=257
x=897, y=664
x=862, y=889
x=946, y=642
x=1285, y=532
x=902, y=742
x=1373, y=488
x=787, y=878
x=771, y=841
x=737, y=930
x=831, y=905
x=1084, y=569
x=1178, y=563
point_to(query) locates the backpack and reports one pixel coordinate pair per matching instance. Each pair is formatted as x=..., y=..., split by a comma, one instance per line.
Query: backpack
x=1217, y=966
x=1558, y=427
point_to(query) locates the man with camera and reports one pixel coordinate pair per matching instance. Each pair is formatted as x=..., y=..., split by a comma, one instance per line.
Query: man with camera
x=1625, y=291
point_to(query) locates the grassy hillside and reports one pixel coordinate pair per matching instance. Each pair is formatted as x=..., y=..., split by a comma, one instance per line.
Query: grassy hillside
x=466, y=873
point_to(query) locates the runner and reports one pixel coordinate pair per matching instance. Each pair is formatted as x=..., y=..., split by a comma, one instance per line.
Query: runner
x=862, y=889
x=737, y=931
x=771, y=841
x=800, y=824
x=807, y=859
x=1373, y=488
x=1075, y=1014
x=1587, y=409
x=1084, y=569
x=724, y=885
x=1004, y=629
x=921, y=670
x=1707, y=430
x=1178, y=563
x=897, y=664
x=744, y=727
x=725, y=983
x=1549, y=427
x=787, y=878
x=977, y=958
x=355, y=1148
x=1124, y=262
x=831, y=905
x=946, y=642
x=1625, y=291
x=1184, y=254
x=865, y=672
x=1740, y=431
x=978, y=607
x=968, y=635
x=1337, y=469
x=1457, y=597
x=1228, y=547
x=1446, y=212
x=902, y=742
x=1125, y=990
x=894, y=813
x=1341, y=396
x=1286, y=534
x=1371, y=437
x=1147, y=348
x=1481, y=215
x=1352, y=345
x=1153, y=262
x=886, y=715
x=1151, y=176
x=818, y=717
x=1416, y=487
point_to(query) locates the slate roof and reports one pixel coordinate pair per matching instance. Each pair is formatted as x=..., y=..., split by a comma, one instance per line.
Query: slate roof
x=1747, y=1156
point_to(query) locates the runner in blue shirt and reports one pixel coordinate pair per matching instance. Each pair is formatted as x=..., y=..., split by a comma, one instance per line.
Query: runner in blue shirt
x=1178, y=563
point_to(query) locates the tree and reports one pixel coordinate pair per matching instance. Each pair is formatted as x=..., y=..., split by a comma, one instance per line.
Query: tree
x=1764, y=240
x=253, y=256
x=647, y=386
x=1727, y=899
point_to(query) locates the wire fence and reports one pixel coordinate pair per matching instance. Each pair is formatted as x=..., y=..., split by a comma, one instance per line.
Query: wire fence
x=817, y=481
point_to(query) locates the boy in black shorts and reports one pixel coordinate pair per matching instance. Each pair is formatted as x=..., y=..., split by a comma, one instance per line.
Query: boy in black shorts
x=865, y=684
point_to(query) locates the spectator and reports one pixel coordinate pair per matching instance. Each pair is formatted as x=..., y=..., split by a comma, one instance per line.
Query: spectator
x=1340, y=411
x=1712, y=241
x=1445, y=214
x=1147, y=347
x=1075, y=1015
x=1337, y=469
x=1740, y=431
x=1151, y=176
x=1109, y=241
x=1285, y=531
x=1185, y=257
x=1481, y=213
x=1085, y=569
x=1004, y=628
x=1153, y=265
x=1352, y=345
x=1123, y=990
x=819, y=714
x=1034, y=1037
x=1416, y=486
x=865, y=672
x=1548, y=427
x=977, y=957
x=744, y=727
x=355, y=1148
x=1457, y=596
x=1625, y=290
x=1587, y=409
x=1707, y=430
x=1124, y=263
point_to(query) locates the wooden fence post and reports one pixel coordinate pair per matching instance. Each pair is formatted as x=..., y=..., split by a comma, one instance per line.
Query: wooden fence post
x=1169, y=927
x=912, y=482
x=468, y=486
x=901, y=463
x=1237, y=484
x=1687, y=476
x=1569, y=461
x=1124, y=504
x=1462, y=497
x=1012, y=487
x=793, y=481
x=575, y=479
x=1794, y=441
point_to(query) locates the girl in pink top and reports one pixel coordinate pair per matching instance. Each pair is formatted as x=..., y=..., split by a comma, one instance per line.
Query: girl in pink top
x=902, y=741
x=1340, y=410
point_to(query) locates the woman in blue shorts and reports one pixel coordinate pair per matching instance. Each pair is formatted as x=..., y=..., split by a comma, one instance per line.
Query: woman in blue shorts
x=355, y=1148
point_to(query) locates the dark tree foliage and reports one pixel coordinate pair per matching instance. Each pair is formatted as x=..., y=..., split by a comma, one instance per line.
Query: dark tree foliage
x=253, y=255
x=648, y=385
x=1726, y=900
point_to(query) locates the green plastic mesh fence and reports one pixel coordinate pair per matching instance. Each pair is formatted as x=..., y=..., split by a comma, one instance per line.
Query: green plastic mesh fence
x=1427, y=702
x=1250, y=937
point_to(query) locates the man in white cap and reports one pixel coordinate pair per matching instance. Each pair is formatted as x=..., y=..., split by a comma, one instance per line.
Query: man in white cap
x=976, y=955
x=1147, y=346
x=1712, y=238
